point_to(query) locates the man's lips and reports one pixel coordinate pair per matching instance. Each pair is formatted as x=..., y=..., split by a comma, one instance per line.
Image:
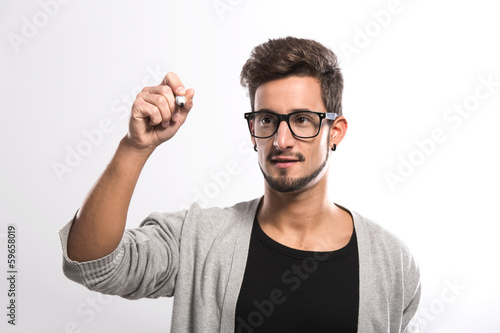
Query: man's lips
x=278, y=159
x=284, y=161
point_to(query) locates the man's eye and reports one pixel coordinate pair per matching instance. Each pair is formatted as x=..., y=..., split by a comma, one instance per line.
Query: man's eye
x=301, y=120
x=266, y=120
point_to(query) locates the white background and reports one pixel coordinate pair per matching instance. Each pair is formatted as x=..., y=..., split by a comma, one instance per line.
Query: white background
x=68, y=67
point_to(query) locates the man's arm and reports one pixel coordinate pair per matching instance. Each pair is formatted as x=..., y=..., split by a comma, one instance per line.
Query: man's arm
x=100, y=222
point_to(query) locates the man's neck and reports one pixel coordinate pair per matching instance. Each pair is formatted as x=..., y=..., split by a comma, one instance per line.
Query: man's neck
x=302, y=210
x=305, y=220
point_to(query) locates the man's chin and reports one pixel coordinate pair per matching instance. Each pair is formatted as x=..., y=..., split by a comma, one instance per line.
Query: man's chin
x=287, y=184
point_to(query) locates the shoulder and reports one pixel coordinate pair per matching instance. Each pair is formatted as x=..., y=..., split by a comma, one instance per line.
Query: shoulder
x=211, y=213
x=216, y=217
x=376, y=236
x=384, y=247
x=204, y=221
x=239, y=209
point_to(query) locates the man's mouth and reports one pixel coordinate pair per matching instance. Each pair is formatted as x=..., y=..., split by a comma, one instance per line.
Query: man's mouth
x=285, y=161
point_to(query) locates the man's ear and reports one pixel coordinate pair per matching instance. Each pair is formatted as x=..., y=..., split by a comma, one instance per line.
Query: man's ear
x=338, y=131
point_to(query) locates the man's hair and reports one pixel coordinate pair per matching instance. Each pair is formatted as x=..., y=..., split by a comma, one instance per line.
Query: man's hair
x=290, y=56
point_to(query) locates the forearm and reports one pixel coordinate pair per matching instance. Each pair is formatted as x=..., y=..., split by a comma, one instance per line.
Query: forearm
x=99, y=225
x=100, y=222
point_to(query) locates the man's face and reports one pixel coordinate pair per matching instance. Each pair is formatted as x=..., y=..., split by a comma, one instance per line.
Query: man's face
x=289, y=163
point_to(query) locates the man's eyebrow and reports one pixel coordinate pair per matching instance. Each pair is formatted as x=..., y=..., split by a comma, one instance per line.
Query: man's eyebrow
x=291, y=111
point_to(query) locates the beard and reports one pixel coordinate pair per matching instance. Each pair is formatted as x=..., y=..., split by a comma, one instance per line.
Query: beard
x=284, y=183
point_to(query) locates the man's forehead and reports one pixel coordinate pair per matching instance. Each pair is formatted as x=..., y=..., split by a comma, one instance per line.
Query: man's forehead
x=290, y=93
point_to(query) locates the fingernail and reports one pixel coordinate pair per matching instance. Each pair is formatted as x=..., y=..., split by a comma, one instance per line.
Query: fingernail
x=175, y=116
x=181, y=90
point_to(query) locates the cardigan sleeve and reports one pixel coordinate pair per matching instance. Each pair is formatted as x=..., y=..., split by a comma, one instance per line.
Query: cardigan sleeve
x=144, y=264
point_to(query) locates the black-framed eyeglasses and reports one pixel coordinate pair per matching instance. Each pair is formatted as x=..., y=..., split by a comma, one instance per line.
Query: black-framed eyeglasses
x=302, y=124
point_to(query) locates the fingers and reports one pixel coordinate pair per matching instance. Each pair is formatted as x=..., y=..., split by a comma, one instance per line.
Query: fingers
x=158, y=103
x=141, y=109
x=172, y=80
x=189, y=99
x=156, y=107
x=163, y=98
x=159, y=109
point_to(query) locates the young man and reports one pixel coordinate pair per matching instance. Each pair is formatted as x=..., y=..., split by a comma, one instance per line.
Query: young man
x=291, y=261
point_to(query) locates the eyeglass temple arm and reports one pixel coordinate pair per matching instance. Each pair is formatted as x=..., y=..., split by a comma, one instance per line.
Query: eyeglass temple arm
x=331, y=115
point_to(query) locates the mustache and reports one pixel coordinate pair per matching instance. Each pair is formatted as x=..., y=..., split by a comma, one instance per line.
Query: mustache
x=298, y=156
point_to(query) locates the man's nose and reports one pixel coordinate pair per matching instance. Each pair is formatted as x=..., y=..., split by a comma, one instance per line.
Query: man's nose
x=283, y=138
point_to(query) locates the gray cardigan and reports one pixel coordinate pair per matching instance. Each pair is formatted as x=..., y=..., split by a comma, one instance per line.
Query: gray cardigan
x=199, y=257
